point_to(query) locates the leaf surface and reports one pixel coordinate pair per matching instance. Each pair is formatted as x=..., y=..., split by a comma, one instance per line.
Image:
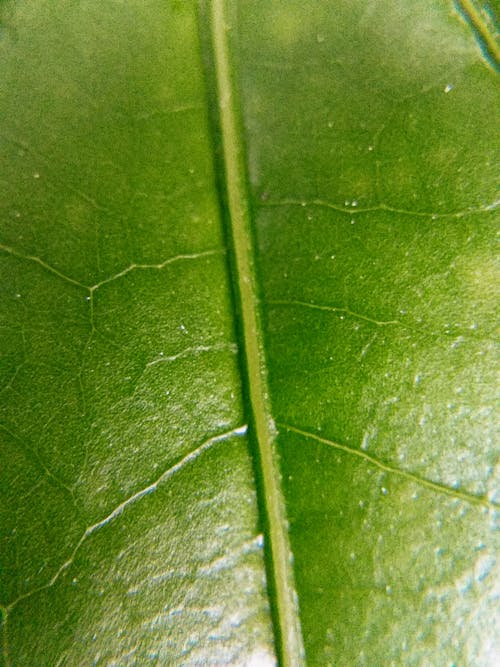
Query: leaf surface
x=248, y=312
x=372, y=152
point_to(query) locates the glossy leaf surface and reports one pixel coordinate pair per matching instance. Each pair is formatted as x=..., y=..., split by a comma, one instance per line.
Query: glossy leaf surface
x=129, y=515
x=372, y=149
x=355, y=143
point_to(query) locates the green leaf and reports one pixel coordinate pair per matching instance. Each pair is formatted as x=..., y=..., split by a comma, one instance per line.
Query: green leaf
x=248, y=333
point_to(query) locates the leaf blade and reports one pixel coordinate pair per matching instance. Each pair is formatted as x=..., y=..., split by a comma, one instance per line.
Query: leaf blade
x=132, y=523
x=373, y=188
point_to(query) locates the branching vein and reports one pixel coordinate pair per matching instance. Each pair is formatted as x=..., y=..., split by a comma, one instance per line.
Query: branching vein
x=43, y=264
x=159, y=266
x=132, y=267
x=344, y=311
x=353, y=209
x=91, y=289
x=138, y=495
x=194, y=351
x=334, y=309
x=422, y=481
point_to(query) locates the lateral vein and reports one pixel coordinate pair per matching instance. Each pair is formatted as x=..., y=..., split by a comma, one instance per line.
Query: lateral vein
x=434, y=486
x=125, y=504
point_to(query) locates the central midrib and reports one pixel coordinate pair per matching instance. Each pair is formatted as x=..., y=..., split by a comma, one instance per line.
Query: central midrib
x=288, y=635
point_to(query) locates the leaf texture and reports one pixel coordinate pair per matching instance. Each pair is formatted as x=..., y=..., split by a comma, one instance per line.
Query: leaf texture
x=248, y=333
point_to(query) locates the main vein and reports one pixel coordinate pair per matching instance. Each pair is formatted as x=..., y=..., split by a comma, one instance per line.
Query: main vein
x=484, y=35
x=287, y=626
